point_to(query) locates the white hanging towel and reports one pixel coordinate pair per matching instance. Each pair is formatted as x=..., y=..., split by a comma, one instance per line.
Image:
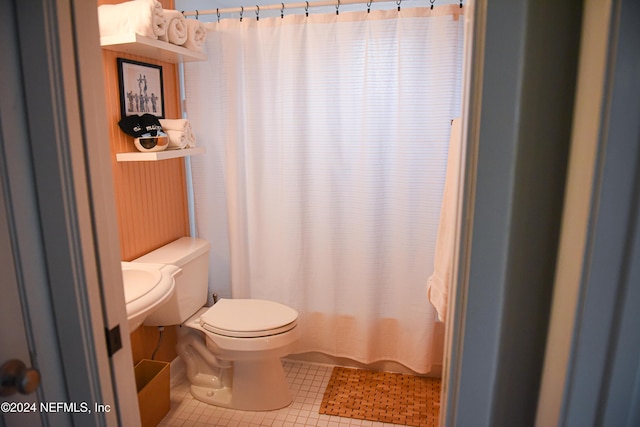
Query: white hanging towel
x=144, y=17
x=440, y=281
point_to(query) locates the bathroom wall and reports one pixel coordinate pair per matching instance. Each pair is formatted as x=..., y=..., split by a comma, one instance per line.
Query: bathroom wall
x=151, y=199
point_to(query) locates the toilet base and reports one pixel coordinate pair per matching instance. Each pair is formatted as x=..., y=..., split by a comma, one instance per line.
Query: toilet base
x=257, y=385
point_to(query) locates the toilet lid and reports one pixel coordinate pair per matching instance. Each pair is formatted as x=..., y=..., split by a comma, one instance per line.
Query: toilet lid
x=248, y=318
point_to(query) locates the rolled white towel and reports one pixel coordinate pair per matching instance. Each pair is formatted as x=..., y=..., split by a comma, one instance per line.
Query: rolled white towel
x=180, y=125
x=191, y=138
x=196, y=35
x=177, y=138
x=176, y=27
x=175, y=124
x=144, y=17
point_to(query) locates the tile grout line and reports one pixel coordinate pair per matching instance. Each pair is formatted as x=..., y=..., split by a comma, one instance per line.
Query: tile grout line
x=307, y=383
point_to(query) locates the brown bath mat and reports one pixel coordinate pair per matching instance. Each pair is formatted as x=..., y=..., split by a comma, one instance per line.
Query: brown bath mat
x=382, y=396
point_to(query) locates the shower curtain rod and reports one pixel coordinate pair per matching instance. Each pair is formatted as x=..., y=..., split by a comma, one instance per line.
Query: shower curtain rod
x=283, y=7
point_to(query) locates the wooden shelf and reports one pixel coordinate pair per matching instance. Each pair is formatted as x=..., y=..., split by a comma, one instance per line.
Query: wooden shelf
x=136, y=44
x=139, y=156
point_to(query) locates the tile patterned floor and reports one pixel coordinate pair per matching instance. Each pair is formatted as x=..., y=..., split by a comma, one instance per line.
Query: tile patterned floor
x=307, y=382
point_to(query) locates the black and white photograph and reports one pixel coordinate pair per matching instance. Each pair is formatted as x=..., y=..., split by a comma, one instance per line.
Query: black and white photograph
x=141, y=90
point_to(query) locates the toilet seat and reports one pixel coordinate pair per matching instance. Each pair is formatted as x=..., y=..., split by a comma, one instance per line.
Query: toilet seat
x=248, y=318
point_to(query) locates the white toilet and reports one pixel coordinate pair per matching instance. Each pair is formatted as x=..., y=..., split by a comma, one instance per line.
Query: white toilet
x=231, y=350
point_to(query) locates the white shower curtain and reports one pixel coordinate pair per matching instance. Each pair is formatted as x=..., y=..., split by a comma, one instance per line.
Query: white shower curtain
x=326, y=142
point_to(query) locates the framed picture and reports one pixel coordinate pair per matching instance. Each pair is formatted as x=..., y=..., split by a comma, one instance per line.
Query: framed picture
x=141, y=90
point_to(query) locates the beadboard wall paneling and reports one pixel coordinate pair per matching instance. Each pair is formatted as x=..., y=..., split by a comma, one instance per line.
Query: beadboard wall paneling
x=151, y=199
x=150, y=196
x=145, y=339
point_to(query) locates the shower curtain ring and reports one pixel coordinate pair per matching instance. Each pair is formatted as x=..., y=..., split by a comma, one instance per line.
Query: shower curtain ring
x=306, y=9
x=282, y=11
x=338, y=8
x=398, y=3
x=432, y=2
x=197, y=13
x=218, y=13
x=369, y=6
x=241, y=12
x=257, y=13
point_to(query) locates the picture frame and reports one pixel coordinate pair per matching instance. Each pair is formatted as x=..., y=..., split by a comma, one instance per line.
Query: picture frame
x=141, y=88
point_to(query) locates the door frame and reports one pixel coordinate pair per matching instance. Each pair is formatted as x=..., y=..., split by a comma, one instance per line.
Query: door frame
x=65, y=152
x=516, y=127
x=592, y=366
x=64, y=230
x=505, y=369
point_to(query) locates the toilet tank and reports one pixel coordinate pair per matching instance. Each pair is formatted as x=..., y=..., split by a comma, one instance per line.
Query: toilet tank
x=192, y=256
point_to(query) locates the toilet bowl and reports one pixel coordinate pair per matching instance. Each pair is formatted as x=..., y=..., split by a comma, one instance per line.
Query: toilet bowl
x=232, y=349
